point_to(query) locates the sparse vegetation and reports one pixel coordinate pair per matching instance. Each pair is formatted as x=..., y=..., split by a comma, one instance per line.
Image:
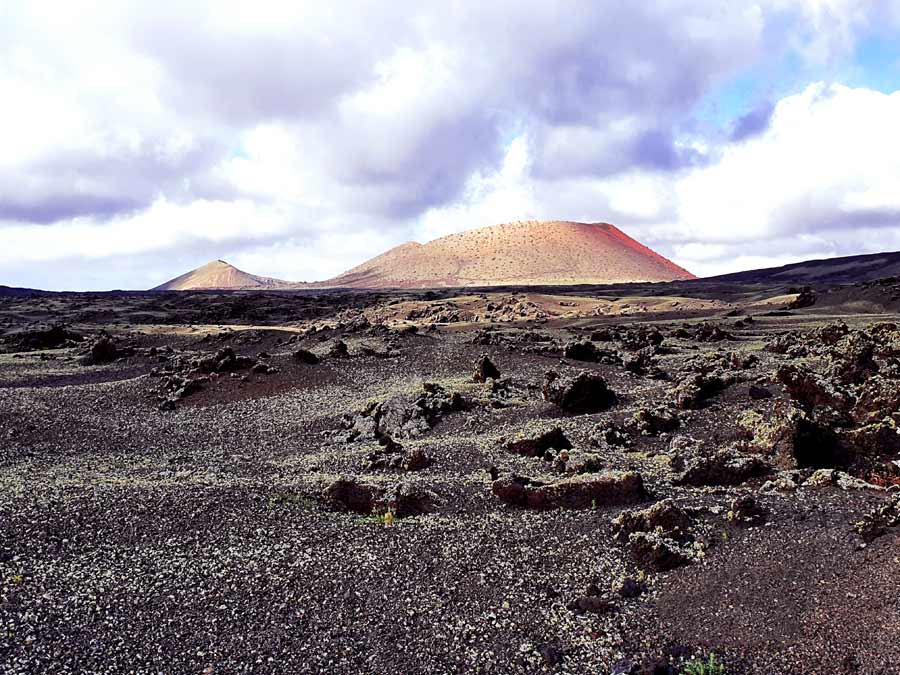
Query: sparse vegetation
x=711, y=666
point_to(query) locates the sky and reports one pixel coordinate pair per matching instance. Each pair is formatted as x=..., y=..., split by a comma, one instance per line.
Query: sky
x=139, y=140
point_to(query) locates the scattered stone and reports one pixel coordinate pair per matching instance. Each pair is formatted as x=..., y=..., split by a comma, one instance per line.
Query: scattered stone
x=609, y=434
x=592, y=602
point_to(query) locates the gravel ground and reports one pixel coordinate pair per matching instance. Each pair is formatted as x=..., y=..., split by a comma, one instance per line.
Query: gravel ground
x=201, y=539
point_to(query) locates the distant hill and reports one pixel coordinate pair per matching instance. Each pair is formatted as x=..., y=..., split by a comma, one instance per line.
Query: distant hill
x=844, y=270
x=520, y=253
x=18, y=292
x=219, y=275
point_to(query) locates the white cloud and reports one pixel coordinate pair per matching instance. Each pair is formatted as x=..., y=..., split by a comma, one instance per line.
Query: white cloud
x=321, y=133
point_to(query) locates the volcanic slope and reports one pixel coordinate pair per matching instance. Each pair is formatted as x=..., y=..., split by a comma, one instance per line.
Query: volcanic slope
x=219, y=275
x=519, y=253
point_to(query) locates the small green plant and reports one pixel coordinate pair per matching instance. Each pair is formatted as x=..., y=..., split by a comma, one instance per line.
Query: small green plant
x=594, y=504
x=711, y=666
x=387, y=519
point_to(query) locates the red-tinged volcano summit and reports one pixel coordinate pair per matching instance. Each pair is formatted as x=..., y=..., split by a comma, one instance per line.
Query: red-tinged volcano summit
x=519, y=253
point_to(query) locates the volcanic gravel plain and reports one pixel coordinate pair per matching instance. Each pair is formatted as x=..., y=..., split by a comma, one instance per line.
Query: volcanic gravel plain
x=585, y=480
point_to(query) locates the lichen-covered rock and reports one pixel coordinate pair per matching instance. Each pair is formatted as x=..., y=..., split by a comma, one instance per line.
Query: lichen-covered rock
x=878, y=398
x=694, y=390
x=664, y=517
x=338, y=350
x=786, y=481
x=223, y=361
x=104, y=350
x=403, y=416
x=583, y=394
x=875, y=523
x=745, y=511
x=872, y=440
x=810, y=389
x=790, y=344
x=826, y=477
x=614, y=488
x=852, y=360
x=726, y=467
x=348, y=494
x=654, y=421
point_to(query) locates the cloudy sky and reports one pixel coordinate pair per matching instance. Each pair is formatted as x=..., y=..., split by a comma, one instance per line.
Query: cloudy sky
x=297, y=139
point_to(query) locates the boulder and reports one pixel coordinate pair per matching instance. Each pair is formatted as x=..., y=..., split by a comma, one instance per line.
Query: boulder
x=654, y=421
x=306, y=356
x=657, y=553
x=103, y=350
x=810, y=389
x=664, y=517
x=538, y=445
x=745, y=511
x=608, y=489
x=583, y=394
x=347, y=494
x=485, y=370
x=726, y=467
x=338, y=350
x=694, y=390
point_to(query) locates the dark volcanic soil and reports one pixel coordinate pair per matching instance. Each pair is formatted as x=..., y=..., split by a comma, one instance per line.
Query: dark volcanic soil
x=181, y=491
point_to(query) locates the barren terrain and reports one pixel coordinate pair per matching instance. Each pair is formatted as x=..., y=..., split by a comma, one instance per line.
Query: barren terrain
x=618, y=479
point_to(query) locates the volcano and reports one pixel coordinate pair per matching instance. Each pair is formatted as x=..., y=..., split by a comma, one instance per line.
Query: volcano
x=518, y=253
x=219, y=275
